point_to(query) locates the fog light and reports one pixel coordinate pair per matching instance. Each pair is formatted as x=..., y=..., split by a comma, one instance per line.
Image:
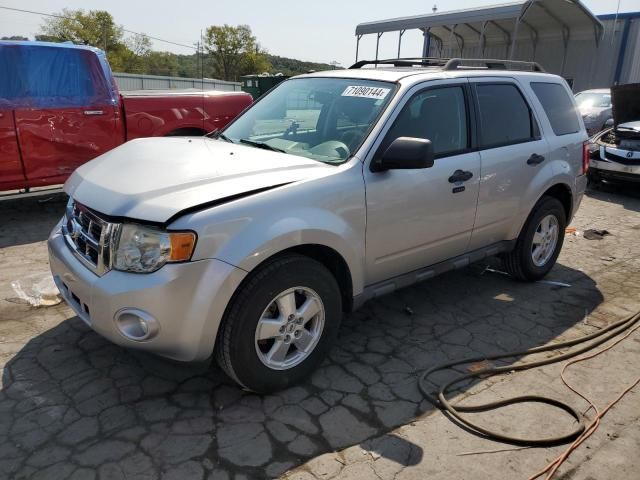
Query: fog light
x=136, y=324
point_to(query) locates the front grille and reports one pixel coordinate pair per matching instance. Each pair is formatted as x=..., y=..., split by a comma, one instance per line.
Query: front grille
x=89, y=236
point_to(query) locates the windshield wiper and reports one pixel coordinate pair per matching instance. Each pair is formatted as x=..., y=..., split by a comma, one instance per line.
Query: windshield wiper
x=263, y=145
x=222, y=136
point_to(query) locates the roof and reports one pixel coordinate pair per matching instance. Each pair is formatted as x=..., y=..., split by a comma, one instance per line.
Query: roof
x=420, y=74
x=540, y=16
x=36, y=43
x=386, y=74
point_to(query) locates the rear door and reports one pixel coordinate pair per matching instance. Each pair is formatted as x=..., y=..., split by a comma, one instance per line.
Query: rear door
x=70, y=114
x=512, y=153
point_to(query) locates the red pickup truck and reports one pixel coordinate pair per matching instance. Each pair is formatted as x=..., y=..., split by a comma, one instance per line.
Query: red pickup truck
x=60, y=107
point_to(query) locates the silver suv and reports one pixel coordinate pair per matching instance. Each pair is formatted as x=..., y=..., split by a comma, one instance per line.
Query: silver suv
x=334, y=188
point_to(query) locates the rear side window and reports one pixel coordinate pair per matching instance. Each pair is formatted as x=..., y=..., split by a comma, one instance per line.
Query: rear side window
x=558, y=106
x=505, y=117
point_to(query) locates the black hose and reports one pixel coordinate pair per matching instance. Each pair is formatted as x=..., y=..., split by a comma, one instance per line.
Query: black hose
x=455, y=410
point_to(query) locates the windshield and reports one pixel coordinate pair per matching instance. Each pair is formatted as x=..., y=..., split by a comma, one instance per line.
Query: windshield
x=325, y=119
x=593, y=100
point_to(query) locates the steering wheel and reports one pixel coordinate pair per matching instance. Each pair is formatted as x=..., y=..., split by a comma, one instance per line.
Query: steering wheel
x=332, y=148
x=349, y=137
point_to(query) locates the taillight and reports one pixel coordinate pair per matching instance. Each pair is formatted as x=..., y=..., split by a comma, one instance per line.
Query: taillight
x=586, y=153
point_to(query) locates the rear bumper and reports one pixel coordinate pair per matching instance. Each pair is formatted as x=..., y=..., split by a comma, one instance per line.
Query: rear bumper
x=615, y=171
x=186, y=300
x=581, y=186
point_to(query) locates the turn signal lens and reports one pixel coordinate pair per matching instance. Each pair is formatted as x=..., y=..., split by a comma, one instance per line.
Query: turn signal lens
x=182, y=245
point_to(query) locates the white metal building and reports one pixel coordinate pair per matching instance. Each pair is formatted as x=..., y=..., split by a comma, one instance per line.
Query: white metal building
x=562, y=35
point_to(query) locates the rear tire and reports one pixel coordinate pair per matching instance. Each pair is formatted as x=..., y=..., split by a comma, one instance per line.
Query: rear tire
x=266, y=342
x=539, y=243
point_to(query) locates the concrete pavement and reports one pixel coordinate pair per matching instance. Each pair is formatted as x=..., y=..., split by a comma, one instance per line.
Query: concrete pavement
x=73, y=405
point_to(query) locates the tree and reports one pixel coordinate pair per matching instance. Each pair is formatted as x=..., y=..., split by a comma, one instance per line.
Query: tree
x=95, y=27
x=234, y=51
x=161, y=63
x=15, y=37
x=135, y=55
x=46, y=38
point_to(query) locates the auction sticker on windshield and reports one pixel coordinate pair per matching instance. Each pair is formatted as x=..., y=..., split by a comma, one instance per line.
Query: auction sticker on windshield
x=365, y=92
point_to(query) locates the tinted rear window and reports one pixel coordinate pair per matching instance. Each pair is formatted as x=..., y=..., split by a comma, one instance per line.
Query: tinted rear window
x=37, y=76
x=558, y=106
x=505, y=117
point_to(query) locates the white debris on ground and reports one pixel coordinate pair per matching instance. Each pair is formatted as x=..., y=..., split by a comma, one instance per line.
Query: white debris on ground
x=37, y=290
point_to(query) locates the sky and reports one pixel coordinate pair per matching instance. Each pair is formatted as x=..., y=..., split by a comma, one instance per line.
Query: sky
x=318, y=30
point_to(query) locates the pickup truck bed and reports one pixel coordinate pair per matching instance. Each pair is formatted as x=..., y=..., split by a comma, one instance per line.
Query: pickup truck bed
x=153, y=113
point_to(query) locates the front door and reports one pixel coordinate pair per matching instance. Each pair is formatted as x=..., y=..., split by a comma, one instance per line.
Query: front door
x=416, y=218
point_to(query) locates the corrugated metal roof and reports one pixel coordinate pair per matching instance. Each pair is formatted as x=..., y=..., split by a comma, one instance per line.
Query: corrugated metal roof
x=467, y=15
x=542, y=16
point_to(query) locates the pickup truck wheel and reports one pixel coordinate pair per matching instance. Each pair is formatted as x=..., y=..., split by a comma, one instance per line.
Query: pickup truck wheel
x=280, y=324
x=539, y=243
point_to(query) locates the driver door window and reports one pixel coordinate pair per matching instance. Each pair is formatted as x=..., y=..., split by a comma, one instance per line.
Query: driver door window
x=438, y=114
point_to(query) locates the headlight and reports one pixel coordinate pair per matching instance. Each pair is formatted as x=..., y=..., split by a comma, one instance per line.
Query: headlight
x=143, y=249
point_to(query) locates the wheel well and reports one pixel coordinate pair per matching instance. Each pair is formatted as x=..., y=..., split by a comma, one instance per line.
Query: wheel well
x=563, y=194
x=334, y=262
x=187, y=132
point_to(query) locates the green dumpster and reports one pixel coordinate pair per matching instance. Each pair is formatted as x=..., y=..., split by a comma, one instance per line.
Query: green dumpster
x=258, y=85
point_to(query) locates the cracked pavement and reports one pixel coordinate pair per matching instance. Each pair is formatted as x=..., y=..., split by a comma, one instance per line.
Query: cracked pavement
x=75, y=406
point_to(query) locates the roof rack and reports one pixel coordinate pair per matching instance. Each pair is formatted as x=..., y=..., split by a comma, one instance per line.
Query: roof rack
x=404, y=62
x=455, y=63
x=492, y=64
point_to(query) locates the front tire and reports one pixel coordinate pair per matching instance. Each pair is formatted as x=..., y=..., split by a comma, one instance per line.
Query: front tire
x=539, y=243
x=280, y=324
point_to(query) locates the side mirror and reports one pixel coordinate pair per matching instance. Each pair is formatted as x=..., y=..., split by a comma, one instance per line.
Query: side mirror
x=405, y=153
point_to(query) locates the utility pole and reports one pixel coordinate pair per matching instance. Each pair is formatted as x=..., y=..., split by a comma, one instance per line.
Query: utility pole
x=198, y=59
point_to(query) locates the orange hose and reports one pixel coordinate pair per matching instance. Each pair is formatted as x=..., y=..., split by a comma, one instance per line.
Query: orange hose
x=552, y=467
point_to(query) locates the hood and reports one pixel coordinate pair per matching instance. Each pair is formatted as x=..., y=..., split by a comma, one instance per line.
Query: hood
x=594, y=111
x=153, y=179
x=626, y=103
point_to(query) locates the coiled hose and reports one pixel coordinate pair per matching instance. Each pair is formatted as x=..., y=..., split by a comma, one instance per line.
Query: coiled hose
x=456, y=411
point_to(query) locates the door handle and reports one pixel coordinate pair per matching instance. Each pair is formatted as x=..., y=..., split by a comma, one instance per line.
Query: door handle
x=460, y=176
x=535, y=159
x=93, y=112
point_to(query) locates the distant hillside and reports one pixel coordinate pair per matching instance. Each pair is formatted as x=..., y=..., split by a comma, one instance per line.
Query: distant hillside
x=291, y=66
x=188, y=66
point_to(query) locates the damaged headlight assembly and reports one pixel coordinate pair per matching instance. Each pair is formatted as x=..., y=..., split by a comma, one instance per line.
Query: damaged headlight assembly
x=142, y=249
